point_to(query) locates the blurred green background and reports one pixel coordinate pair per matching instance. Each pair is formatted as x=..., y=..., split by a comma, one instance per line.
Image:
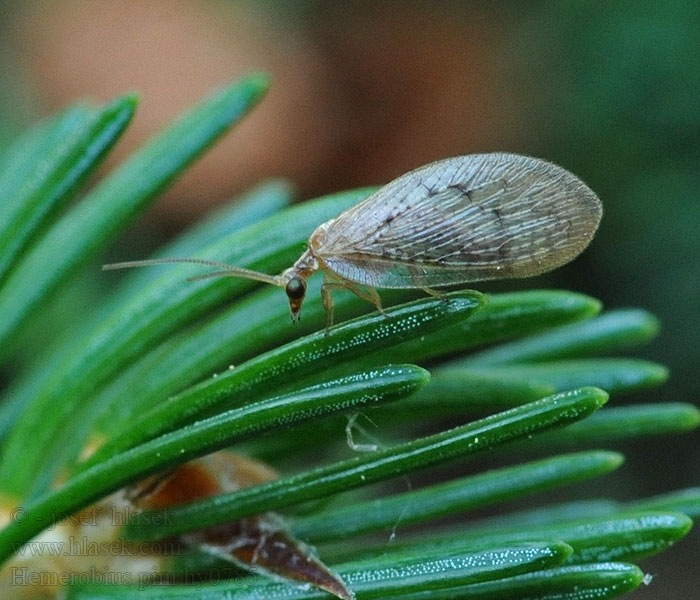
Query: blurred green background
x=363, y=92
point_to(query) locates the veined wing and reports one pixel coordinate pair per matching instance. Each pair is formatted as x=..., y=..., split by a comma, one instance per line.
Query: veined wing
x=463, y=219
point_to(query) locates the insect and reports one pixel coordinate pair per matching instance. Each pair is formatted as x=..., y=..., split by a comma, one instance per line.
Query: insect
x=454, y=221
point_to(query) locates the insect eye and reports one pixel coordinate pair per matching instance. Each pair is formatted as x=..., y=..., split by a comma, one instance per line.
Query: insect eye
x=296, y=288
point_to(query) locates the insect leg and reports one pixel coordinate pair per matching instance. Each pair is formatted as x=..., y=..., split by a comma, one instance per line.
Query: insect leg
x=434, y=293
x=368, y=293
x=327, y=299
x=373, y=297
x=415, y=277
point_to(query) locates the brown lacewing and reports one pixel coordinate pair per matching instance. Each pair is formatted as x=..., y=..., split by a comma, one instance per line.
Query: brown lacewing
x=458, y=220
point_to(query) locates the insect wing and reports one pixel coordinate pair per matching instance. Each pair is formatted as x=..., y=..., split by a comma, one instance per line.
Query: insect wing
x=469, y=218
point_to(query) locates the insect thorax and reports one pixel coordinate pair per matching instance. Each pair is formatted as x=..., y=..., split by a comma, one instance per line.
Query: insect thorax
x=305, y=266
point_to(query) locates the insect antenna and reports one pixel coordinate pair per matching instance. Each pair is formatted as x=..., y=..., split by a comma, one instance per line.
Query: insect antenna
x=214, y=274
x=224, y=270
